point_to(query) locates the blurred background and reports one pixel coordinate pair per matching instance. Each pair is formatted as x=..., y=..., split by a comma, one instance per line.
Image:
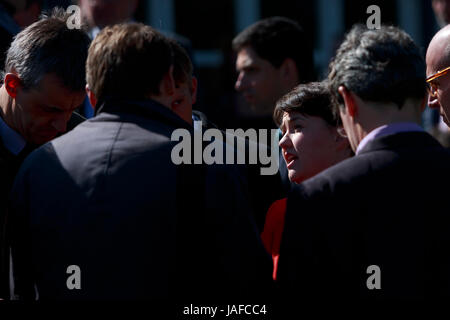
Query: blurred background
x=207, y=28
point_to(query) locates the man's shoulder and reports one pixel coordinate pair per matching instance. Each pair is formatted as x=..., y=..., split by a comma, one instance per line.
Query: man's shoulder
x=343, y=172
x=421, y=153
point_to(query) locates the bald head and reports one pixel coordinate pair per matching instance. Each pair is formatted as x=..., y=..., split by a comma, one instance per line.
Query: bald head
x=438, y=53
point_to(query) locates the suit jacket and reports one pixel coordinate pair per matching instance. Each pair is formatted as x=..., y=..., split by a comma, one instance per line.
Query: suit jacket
x=384, y=207
x=107, y=198
x=263, y=190
x=9, y=166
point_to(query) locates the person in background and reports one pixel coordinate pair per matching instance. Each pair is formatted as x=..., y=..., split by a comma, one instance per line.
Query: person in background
x=273, y=57
x=101, y=13
x=184, y=98
x=441, y=10
x=14, y=16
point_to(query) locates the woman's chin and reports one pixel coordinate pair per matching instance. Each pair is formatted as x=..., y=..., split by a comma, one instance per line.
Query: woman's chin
x=294, y=178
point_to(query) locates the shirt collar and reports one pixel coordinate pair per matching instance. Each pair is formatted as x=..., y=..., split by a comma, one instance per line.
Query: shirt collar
x=388, y=129
x=12, y=140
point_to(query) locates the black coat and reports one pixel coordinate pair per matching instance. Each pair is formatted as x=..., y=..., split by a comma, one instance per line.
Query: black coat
x=387, y=207
x=9, y=166
x=108, y=198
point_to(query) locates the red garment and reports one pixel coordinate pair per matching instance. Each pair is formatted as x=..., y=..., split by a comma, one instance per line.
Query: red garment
x=273, y=230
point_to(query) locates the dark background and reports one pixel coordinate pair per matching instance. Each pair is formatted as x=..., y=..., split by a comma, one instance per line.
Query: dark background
x=210, y=25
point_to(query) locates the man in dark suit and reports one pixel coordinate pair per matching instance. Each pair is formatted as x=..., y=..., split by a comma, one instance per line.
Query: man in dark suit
x=373, y=226
x=134, y=224
x=44, y=81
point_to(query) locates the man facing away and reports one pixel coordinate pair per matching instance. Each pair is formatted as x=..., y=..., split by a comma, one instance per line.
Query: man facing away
x=372, y=227
x=43, y=83
x=134, y=224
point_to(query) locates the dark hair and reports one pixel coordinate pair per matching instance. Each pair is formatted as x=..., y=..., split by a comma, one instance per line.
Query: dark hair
x=312, y=99
x=382, y=65
x=125, y=50
x=12, y=7
x=182, y=64
x=49, y=46
x=277, y=38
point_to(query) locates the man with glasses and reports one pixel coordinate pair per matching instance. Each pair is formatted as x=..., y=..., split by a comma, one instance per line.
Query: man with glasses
x=438, y=68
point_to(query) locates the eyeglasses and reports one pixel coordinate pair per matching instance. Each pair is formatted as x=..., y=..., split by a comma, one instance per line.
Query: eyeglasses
x=432, y=86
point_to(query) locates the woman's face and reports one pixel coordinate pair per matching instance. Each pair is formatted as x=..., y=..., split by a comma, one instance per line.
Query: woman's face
x=309, y=145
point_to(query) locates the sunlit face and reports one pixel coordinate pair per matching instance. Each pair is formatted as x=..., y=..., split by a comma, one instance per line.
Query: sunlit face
x=258, y=80
x=40, y=114
x=309, y=145
x=184, y=98
x=440, y=99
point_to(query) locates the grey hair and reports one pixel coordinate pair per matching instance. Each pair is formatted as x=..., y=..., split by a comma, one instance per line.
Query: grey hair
x=382, y=65
x=49, y=46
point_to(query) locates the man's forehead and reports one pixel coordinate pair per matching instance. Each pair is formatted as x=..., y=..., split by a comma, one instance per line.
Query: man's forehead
x=438, y=48
x=247, y=56
x=47, y=81
x=52, y=92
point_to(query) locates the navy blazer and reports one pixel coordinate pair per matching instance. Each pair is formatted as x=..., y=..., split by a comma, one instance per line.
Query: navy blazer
x=107, y=197
x=385, y=207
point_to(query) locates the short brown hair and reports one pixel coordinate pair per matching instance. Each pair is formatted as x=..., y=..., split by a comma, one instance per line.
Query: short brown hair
x=123, y=50
x=182, y=64
x=277, y=38
x=312, y=99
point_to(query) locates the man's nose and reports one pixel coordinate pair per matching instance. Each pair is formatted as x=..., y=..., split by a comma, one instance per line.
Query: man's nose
x=240, y=82
x=60, y=123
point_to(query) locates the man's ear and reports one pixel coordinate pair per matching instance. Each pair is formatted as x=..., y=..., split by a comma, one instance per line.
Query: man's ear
x=91, y=96
x=12, y=83
x=194, y=83
x=349, y=101
x=288, y=69
x=167, y=86
x=341, y=138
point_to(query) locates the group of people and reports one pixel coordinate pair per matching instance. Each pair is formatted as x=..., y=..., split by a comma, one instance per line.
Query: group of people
x=361, y=186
